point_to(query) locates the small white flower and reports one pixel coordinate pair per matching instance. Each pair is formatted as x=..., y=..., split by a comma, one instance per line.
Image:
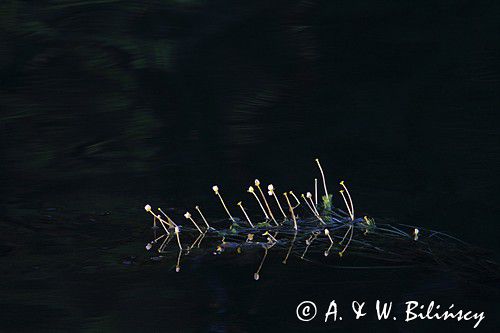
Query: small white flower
x=149, y=246
x=327, y=232
x=250, y=189
x=187, y=215
x=147, y=208
x=177, y=230
x=257, y=182
x=270, y=187
x=270, y=192
x=215, y=188
x=309, y=195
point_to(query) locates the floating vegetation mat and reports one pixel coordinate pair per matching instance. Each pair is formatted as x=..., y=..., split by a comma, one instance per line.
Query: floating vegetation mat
x=327, y=235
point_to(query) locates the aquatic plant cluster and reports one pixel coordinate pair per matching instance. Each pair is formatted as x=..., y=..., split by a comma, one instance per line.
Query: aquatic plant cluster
x=328, y=229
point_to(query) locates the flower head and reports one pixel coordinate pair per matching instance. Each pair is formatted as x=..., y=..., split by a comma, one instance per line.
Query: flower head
x=187, y=215
x=250, y=189
x=216, y=189
x=147, y=208
x=257, y=182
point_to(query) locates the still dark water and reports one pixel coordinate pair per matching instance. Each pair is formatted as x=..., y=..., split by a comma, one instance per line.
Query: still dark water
x=109, y=105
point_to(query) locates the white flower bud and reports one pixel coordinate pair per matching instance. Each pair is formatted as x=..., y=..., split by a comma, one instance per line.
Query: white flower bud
x=215, y=188
x=309, y=195
x=187, y=215
x=270, y=187
x=415, y=234
x=327, y=232
x=147, y=208
x=149, y=246
x=257, y=182
x=270, y=192
x=250, y=189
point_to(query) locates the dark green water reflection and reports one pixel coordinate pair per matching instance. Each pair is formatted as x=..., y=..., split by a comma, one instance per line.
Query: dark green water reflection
x=108, y=105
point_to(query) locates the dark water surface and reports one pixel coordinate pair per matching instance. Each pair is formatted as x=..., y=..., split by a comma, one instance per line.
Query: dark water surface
x=108, y=105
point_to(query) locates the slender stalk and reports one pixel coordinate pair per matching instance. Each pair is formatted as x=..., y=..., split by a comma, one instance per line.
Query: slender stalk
x=343, y=238
x=322, y=176
x=150, y=244
x=163, y=223
x=270, y=237
x=341, y=253
x=312, y=210
x=194, y=243
x=201, y=239
x=270, y=188
x=309, y=196
x=296, y=199
x=157, y=239
x=327, y=233
x=291, y=211
x=156, y=217
x=188, y=216
x=290, y=248
x=178, y=266
x=215, y=188
x=171, y=223
x=164, y=244
x=308, y=243
x=163, y=226
x=256, y=276
x=251, y=190
x=203, y=217
x=177, y=231
x=245, y=213
x=316, y=191
x=257, y=184
x=347, y=205
x=349, y=196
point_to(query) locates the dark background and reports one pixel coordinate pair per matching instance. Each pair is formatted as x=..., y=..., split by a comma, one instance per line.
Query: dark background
x=108, y=105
